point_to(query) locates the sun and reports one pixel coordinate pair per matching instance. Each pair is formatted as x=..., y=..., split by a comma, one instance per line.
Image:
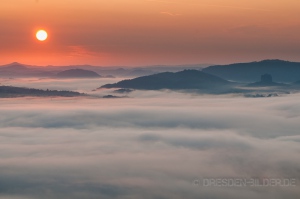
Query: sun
x=41, y=35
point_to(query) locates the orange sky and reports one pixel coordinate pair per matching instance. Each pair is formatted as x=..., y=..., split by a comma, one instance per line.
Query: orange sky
x=144, y=32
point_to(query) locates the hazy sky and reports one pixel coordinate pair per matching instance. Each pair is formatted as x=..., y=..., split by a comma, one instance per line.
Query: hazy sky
x=143, y=32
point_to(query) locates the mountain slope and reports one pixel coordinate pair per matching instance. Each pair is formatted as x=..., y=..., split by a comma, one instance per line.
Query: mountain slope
x=282, y=71
x=187, y=79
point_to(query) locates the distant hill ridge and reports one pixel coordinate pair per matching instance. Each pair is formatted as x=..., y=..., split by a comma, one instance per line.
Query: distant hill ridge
x=14, y=65
x=281, y=71
x=12, y=91
x=16, y=69
x=77, y=73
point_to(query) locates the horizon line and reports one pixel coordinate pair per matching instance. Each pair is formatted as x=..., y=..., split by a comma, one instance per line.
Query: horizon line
x=148, y=65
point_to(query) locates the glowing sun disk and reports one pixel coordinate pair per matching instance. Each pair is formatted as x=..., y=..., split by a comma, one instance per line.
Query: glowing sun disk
x=41, y=35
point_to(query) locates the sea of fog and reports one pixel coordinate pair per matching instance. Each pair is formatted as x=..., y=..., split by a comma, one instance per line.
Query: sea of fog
x=152, y=144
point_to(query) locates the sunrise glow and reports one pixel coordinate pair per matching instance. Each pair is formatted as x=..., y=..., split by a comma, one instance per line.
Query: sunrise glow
x=134, y=32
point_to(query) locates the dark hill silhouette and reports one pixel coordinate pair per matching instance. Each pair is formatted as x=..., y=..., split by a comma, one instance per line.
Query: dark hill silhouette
x=282, y=71
x=187, y=79
x=77, y=73
x=297, y=82
x=113, y=96
x=124, y=90
x=11, y=91
x=266, y=80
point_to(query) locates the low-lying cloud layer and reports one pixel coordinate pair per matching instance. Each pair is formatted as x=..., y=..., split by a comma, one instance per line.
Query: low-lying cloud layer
x=151, y=145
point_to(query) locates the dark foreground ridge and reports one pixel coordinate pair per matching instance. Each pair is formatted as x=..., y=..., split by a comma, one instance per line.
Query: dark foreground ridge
x=297, y=83
x=187, y=79
x=77, y=73
x=10, y=91
x=281, y=71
